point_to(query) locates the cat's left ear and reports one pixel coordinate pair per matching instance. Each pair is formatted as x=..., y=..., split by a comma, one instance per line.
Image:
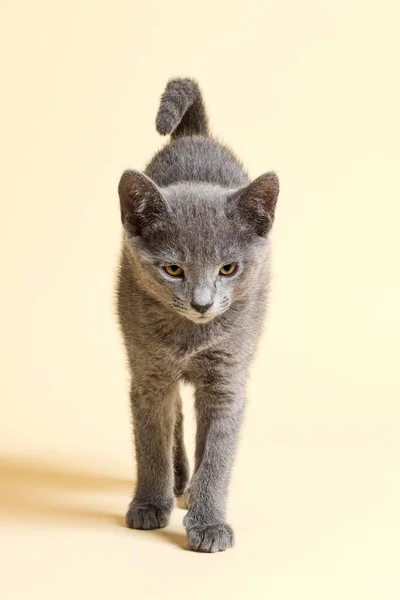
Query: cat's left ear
x=255, y=204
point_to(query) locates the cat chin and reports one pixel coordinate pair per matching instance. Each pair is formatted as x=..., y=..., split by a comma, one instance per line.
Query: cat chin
x=196, y=318
x=201, y=320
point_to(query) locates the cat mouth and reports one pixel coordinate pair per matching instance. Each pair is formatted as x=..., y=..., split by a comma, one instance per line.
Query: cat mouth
x=202, y=318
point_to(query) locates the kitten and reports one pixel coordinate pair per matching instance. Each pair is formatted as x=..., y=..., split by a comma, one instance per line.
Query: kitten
x=192, y=288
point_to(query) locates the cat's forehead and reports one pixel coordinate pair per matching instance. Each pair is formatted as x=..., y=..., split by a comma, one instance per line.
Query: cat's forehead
x=190, y=198
x=199, y=226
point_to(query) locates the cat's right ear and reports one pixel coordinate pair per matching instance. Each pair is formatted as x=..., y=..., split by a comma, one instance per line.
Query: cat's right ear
x=142, y=203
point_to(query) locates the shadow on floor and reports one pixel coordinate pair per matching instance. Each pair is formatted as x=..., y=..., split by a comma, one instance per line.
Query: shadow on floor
x=36, y=491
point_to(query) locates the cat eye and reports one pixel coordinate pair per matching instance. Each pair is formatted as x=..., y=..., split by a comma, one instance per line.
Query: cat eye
x=228, y=270
x=174, y=270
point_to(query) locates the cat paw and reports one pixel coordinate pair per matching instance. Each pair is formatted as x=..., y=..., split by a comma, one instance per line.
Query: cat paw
x=210, y=538
x=184, y=499
x=147, y=516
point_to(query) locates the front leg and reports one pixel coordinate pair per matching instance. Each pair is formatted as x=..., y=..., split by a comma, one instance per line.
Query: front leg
x=220, y=409
x=154, y=413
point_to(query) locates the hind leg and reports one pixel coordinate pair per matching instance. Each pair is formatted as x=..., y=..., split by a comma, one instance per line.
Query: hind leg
x=181, y=463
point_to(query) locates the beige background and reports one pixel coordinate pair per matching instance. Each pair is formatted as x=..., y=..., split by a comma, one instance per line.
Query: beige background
x=307, y=88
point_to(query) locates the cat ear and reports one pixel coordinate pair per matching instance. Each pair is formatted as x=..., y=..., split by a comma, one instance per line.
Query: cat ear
x=142, y=203
x=255, y=204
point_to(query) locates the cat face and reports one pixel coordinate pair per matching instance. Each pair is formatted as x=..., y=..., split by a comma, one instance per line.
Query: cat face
x=198, y=247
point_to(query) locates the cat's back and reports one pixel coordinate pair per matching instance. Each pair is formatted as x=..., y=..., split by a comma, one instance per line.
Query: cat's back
x=196, y=158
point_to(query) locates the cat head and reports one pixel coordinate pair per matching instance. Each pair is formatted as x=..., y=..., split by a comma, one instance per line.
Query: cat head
x=198, y=247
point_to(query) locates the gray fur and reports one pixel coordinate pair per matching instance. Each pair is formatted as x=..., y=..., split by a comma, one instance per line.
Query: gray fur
x=194, y=206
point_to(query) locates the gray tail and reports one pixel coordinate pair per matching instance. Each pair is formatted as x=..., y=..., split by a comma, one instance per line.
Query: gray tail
x=182, y=111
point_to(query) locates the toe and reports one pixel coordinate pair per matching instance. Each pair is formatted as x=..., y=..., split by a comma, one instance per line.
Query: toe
x=147, y=517
x=210, y=538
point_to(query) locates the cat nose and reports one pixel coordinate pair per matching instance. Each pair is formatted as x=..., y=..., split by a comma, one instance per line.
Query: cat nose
x=201, y=308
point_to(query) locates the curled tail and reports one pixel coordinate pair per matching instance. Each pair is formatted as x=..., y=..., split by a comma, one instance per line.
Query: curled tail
x=182, y=111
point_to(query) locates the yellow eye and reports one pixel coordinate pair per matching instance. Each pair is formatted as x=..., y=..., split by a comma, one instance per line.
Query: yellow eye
x=227, y=270
x=174, y=270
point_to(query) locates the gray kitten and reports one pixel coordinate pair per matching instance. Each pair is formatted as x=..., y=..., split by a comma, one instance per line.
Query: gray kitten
x=192, y=288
